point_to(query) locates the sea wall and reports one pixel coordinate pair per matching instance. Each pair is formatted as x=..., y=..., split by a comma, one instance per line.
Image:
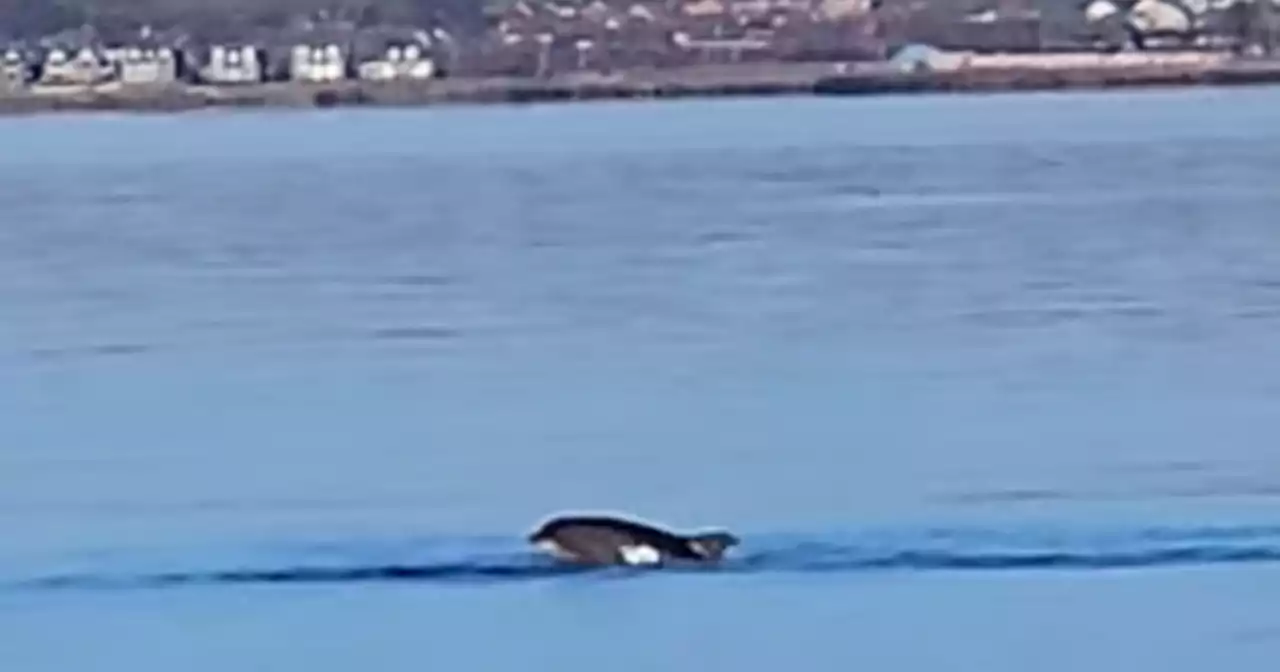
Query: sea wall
x=988, y=75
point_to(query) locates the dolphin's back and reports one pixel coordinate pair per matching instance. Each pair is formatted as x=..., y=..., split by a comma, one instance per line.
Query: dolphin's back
x=606, y=540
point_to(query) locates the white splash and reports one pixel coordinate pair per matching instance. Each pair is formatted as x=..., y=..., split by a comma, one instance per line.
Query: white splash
x=553, y=549
x=640, y=555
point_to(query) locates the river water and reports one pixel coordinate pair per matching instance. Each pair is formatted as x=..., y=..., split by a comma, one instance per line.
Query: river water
x=983, y=382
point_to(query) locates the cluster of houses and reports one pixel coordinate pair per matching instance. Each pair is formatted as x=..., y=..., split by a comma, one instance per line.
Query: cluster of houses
x=530, y=37
x=313, y=56
x=1246, y=25
x=551, y=35
x=527, y=37
x=539, y=37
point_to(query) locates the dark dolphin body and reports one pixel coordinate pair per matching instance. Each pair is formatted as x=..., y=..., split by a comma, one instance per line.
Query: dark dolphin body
x=607, y=540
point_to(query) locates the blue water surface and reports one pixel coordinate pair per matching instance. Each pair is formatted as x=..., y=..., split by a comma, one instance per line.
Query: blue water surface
x=983, y=382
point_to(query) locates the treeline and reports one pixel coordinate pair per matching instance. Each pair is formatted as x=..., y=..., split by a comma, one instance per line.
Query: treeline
x=225, y=18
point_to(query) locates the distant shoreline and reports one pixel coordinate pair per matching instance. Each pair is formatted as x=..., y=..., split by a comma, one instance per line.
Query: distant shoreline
x=825, y=79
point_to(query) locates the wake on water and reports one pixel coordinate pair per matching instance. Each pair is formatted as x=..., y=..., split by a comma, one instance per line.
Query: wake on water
x=472, y=561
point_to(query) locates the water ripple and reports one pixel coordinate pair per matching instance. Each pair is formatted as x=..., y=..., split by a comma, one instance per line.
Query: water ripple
x=912, y=551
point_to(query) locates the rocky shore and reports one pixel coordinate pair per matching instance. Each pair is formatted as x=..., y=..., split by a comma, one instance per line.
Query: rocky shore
x=754, y=80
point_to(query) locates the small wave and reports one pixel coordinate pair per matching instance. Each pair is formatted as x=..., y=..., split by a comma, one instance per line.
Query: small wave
x=99, y=350
x=905, y=551
x=465, y=571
